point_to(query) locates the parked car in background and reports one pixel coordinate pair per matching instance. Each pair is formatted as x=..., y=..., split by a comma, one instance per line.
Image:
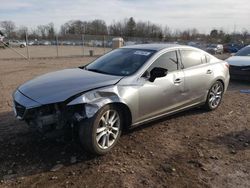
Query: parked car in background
x=240, y=64
x=1, y=37
x=231, y=48
x=2, y=45
x=33, y=43
x=126, y=87
x=44, y=43
x=129, y=43
x=215, y=48
x=16, y=43
x=199, y=45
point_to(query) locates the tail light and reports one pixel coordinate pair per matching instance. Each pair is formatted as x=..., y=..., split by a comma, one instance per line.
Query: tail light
x=227, y=65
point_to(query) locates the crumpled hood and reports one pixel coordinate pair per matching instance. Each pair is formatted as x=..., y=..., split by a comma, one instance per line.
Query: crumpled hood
x=239, y=61
x=59, y=86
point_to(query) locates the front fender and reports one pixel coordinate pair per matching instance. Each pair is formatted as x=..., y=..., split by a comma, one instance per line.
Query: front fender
x=96, y=99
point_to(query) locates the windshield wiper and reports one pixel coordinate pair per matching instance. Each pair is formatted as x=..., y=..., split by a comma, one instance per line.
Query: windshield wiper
x=96, y=70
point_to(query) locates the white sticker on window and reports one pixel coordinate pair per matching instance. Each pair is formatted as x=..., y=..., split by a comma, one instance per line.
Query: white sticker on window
x=142, y=53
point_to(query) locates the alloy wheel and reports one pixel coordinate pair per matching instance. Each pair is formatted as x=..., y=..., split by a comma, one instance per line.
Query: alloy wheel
x=108, y=129
x=215, y=95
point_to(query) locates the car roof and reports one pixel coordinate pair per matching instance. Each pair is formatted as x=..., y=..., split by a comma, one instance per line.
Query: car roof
x=156, y=47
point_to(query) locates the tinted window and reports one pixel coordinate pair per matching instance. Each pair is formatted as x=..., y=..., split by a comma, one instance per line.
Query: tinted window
x=192, y=58
x=243, y=52
x=121, y=62
x=167, y=61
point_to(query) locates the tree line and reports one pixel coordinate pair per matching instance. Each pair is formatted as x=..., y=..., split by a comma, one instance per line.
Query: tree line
x=124, y=28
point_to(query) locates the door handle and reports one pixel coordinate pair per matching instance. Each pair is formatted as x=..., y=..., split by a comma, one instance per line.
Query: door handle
x=209, y=71
x=177, y=81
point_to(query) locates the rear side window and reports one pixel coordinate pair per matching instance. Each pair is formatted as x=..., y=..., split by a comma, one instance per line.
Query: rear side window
x=192, y=58
x=167, y=61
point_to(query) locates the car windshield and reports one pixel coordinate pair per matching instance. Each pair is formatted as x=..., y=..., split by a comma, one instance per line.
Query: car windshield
x=213, y=45
x=121, y=62
x=243, y=52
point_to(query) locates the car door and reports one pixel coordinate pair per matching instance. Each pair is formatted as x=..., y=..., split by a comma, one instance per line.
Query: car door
x=198, y=75
x=165, y=93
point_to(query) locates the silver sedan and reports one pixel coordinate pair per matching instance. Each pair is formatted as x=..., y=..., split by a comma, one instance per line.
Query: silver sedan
x=124, y=88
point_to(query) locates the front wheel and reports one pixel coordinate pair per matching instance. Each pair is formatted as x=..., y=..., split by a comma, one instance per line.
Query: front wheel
x=100, y=133
x=214, y=96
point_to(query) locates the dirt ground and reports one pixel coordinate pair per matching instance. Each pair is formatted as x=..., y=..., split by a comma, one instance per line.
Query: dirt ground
x=191, y=149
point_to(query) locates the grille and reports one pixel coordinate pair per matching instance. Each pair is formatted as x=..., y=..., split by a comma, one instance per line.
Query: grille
x=20, y=110
x=243, y=68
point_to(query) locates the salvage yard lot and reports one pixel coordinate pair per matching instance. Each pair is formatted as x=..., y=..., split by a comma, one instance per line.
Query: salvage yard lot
x=191, y=149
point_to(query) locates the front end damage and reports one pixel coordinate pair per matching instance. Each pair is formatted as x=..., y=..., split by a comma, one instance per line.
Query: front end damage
x=62, y=115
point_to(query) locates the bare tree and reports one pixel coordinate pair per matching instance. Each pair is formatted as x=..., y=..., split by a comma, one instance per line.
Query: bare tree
x=116, y=29
x=167, y=33
x=214, y=33
x=50, y=31
x=21, y=32
x=8, y=28
x=42, y=30
x=194, y=33
x=245, y=35
x=98, y=27
x=95, y=27
x=141, y=29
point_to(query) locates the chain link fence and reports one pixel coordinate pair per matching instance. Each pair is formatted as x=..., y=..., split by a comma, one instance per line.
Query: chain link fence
x=62, y=46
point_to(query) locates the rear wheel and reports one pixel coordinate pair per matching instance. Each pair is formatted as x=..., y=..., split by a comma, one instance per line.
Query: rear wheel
x=100, y=134
x=215, y=95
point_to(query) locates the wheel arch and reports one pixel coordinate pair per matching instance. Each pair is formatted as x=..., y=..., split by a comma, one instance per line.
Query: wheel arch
x=92, y=106
x=220, y=79
x=223, y=83
x=127, y=115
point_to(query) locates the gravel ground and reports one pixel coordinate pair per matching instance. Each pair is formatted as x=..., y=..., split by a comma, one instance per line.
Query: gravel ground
x=191, y=149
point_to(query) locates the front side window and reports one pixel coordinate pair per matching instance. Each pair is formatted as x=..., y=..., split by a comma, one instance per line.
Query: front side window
x=121, y=62
x=167, y=61
x=192, y=58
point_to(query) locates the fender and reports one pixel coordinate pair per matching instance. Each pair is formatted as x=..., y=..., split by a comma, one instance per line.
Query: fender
x=96, y=99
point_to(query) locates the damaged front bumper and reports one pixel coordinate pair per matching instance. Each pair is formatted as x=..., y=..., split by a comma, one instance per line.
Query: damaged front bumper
x=43, y=118
x=21, y=104
x=59, y=115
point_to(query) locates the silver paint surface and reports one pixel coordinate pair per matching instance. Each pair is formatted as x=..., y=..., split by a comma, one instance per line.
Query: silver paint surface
x=146, y=100
x=60, y=85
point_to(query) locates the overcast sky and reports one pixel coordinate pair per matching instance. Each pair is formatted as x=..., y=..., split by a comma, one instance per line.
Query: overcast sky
x=177, y=14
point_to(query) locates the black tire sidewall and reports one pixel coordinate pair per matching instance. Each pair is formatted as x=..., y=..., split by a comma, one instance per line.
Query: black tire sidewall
x=208, y=105
x=87, y=131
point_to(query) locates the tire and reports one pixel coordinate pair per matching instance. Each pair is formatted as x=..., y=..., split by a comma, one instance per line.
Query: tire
x=214, y=96
x=102, y=142
x=22, y=46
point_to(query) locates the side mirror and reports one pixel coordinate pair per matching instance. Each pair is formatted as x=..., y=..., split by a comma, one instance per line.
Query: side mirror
x=157, y=72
